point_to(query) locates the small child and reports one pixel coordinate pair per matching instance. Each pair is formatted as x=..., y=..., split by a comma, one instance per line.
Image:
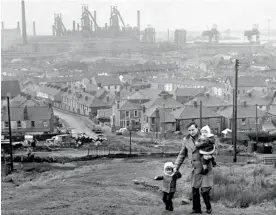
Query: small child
x=206, y=146
x=169, y=184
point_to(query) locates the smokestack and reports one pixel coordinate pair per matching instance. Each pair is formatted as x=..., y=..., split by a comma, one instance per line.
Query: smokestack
x=2, y=25
x=138, y=19
x=18, y=26
x=34, y=32
x=74, y=25
x=95, y=16
x=78, y=27
x=24, y=30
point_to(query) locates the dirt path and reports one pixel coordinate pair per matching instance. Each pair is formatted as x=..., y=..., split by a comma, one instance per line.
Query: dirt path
x=101, y=187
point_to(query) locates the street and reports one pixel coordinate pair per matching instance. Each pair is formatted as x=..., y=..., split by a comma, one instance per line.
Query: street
x=81, y=124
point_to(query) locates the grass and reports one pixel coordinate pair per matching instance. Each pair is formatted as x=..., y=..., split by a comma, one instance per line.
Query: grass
x=237, y=188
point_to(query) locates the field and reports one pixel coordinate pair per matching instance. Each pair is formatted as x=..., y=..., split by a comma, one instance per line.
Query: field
x=105, y=186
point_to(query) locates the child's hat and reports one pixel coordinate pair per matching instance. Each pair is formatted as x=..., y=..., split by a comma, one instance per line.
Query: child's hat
x=208, y=131
x=168, y=164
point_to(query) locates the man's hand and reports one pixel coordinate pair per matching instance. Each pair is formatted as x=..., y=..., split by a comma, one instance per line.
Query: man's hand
x=155, y=177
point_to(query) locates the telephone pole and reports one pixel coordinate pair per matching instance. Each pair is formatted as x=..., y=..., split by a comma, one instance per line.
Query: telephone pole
x=235, y=106
x=200, y=113
x=10, y=133
x=257, y=129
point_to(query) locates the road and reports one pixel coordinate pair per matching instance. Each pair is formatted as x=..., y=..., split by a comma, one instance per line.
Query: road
x=80, y=123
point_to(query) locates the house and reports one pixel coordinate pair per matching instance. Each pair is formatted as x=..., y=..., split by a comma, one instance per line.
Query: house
x=126, y=113
x=22, y=100
x=138, y=97
x=156, y=119
x=29, y=120
x=81, y=102
x=11, y=88
x=165, y=101
x=255, y=97
x=91, y=88
x=183, y=95
x=188, y=114
x=172, y=84
x=212, y=102
x=111, y=83
x=50, y=93
x=246, y=83
x=246, y=116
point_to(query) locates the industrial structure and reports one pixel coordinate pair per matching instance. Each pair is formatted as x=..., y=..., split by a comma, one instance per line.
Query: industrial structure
x=251, y=33
x=180, y=37
x=212, y=34
x=58, y=26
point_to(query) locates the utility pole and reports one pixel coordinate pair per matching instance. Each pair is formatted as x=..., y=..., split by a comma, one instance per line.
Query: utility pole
x=200, y=113
x=257, y=129
x=130, y=141
x=10, y=133
x=235, y=110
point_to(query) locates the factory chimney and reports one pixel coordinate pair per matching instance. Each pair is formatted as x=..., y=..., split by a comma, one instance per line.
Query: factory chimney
x=34, y=31
x=24, y=30
x=78, y=27
x=18, y=26
x=138, y=19
x=74, y=25
x=95, y=16
x=2, y=25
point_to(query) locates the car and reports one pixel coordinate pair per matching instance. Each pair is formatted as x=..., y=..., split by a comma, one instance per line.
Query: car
x=101, y=137
x=121, y=131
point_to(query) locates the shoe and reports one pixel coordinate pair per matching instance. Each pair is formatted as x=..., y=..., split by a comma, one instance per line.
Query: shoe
x=196, y=212
x=204, y=171
x=171, y=208
x=209, y=211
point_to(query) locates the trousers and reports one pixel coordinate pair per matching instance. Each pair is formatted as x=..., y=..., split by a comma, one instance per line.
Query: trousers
x=205, y=192
x=167, y=199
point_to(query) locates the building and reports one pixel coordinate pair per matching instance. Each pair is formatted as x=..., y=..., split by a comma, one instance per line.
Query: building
x=11, y=88
x=126, y=113
x=157, y=119
x=49, y=93
x=245, y=84
x=29, y=120
x=164, y=101
x=188, y=114
x=183, y=95
x=22, y=100
x=81, y=103
x=246, y=116
x=111, y=83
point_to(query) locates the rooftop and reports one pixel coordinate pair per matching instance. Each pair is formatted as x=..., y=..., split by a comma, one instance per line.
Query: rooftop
x=108, y=80
x=190, y=112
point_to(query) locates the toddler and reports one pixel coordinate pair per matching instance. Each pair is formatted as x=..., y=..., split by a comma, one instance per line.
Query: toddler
x=206, y=146
x=169, y=184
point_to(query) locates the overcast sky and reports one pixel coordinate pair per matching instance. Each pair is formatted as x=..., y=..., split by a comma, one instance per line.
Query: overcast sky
x=160, y=14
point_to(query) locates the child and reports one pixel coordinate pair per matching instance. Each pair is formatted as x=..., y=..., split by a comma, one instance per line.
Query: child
x=169, y=184
x=206, y=146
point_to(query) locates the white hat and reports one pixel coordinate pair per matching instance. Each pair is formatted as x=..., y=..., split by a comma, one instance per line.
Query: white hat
x=208, y=131
x=168, y=164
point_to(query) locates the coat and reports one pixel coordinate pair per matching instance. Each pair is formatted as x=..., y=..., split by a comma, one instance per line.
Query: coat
x=189, y=150
x=169, y=182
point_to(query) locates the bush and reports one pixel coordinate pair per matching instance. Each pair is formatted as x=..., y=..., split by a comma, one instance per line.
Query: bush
x=241, y=191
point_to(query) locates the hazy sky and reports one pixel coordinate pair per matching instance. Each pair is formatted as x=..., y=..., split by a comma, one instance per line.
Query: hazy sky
x=160, y=14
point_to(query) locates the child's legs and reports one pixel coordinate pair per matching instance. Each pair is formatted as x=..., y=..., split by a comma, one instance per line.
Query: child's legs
x=170, y=198
x=165, y=197
x=204, y=162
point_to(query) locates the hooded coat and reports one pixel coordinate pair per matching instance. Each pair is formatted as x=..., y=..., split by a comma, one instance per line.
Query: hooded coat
x=169, y=181
x=189, y=151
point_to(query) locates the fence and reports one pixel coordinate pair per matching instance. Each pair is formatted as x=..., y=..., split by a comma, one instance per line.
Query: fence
x=269, y=160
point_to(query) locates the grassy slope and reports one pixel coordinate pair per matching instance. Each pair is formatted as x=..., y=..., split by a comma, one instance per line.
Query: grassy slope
x=101, y=187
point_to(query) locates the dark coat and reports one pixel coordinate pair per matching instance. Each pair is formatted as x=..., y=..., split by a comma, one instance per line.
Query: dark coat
x=169, y=182
x=206, y=145
x=189, y=151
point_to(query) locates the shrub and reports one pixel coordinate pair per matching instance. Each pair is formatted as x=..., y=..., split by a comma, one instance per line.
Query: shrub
x=236, y=190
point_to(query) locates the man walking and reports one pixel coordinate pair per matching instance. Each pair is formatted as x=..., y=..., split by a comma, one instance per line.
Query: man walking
x=205, y=182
